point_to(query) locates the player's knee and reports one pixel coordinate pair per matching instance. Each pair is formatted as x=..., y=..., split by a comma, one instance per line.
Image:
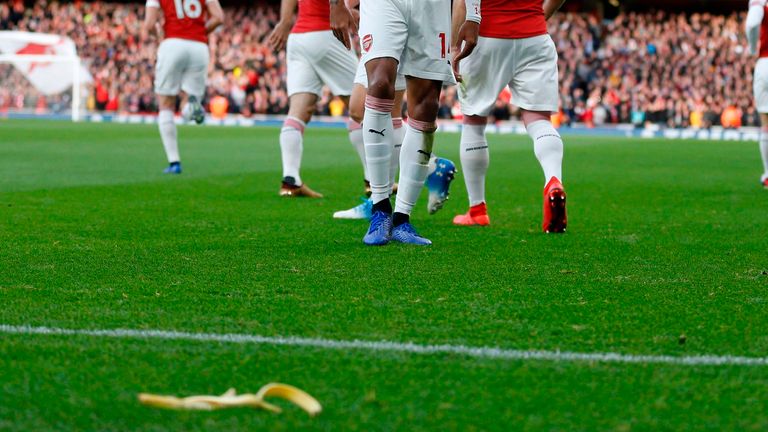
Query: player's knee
x=380, y=85
x=167, y=102
x=529, y=117
x=474, y=120
x=425, y=109
x=303, y=113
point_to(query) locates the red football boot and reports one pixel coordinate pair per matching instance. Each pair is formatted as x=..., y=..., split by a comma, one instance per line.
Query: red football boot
x=555, y=219
x=477, y=215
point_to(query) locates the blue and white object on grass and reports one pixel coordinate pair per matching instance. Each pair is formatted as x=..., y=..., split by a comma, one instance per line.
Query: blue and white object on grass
x=193, y=111
x=362, y=211
x=380, y=231
x=439, y=183
x=406, y=233
x=173, y=168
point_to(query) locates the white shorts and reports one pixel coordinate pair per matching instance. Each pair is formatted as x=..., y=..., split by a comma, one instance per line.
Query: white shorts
x=528, y=66
x=415, y=33
x=362, y=78
x=316, y=59
x=181, y=65
x=760, y=86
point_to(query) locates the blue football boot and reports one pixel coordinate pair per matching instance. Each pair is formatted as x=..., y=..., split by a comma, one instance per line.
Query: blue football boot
x=406, y=233
x=380, y=231
x=362, y=211
x=173, y=168
x=438, y=184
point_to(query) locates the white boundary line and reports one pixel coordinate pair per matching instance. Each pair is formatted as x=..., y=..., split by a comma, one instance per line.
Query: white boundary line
x=389, y=346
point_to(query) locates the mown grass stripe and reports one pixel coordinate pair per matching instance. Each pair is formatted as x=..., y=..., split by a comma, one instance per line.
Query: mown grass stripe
x=392, y=346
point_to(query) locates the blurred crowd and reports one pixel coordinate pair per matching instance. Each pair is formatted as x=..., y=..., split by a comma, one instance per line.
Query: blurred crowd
x=676, y=70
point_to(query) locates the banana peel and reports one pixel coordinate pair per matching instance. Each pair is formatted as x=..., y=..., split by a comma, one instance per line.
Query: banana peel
x=231, y=399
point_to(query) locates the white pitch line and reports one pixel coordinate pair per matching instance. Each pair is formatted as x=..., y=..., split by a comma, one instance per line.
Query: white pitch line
x=390, y=346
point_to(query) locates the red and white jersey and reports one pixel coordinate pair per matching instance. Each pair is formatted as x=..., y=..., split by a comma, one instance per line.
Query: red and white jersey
x=184, y=19
x=314, y=15
x=764, y=33
x=512, y=19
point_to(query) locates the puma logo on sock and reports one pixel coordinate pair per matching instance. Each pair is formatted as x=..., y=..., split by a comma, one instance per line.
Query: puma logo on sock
x=377, y=132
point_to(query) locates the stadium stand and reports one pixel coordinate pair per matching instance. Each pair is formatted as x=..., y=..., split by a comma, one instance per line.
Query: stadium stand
x=676, y=70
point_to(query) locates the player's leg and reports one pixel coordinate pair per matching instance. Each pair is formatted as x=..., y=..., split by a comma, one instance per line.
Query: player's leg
x=356, y=113
x=415, y=155
x=547, y=144
x=378, y=136
x=486, y=72
x=535, y=90
x=355, y=128
x=383, y=35
x=301, y=107
x=168, y=133
x=475, y=160
x=760, y=88
x=548, y=147
x=398, y=133
x=336, y=67
x=764, y=148
x=304, y=88
x=168, y=77
x=426, y=66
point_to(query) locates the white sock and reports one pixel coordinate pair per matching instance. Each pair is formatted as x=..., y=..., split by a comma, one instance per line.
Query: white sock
x=378, y=136
x=291, y=147
x=356, y=138
x=168, y=134
x=414, y=164
x=397, y=123
x=474, y=161
x=764, y=152
x=548, y=147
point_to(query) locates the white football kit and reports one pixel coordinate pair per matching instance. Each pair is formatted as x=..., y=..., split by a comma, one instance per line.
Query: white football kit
x=317, y=58
x=417, y=33
x=755, y=26
x=181, y=65
x=528, y=66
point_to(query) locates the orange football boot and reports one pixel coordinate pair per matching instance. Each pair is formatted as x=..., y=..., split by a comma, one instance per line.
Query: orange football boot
x=555, y=220
x=289, y=190
x=477, y=215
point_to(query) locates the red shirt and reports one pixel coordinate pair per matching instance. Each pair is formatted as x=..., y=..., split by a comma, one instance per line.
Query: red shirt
x=184, y=19
x=764, y=35
x=512, y=19
x=314, y=15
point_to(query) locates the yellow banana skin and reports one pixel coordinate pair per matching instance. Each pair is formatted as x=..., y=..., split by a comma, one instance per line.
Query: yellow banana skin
x=231, y=399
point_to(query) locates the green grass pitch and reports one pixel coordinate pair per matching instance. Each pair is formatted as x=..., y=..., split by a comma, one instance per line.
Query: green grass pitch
x=666, y=238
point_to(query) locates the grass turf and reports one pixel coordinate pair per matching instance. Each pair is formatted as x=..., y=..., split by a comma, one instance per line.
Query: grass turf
x=666, y=238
